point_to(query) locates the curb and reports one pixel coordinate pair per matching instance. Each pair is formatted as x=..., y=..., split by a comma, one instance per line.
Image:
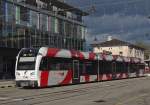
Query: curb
x=7, y=86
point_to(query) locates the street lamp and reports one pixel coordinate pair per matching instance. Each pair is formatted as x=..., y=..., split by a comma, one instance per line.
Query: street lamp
x=98, y=58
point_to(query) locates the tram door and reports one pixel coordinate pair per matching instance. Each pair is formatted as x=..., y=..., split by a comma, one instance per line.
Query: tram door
x=76, y=78
x=113, y=70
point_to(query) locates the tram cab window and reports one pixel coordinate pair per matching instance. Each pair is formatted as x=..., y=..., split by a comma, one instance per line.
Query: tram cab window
x=44, y=64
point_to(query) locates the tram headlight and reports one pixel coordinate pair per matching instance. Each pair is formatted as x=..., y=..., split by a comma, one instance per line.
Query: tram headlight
x=33, y=73
x=17, y=74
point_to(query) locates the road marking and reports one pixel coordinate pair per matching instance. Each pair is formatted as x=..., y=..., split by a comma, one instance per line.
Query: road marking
x=12, y=99
x=107, y=85
x=4, y=98
x=18, y=99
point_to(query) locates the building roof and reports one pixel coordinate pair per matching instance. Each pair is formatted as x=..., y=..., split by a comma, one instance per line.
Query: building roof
x=115, y=42
x=66, y=7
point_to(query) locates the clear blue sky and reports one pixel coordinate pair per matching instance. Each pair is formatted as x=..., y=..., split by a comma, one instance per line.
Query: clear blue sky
x=123, y=19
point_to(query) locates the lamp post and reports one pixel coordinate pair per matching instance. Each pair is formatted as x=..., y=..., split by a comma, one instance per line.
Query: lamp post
x=98, y=58
x=3, y=30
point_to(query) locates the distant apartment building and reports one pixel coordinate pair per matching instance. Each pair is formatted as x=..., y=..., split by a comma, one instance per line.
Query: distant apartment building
x=147, y=57
x=35, y=23
x=118, y=47
x=147, y=54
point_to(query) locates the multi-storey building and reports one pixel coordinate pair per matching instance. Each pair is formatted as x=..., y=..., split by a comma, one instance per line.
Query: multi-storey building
x=34, y=23
x=147, y=57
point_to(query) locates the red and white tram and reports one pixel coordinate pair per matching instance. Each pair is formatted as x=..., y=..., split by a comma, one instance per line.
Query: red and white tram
x=51, y=66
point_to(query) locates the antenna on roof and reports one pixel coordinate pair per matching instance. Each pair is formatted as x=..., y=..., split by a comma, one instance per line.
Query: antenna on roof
x=109, y=38
x=95, y=39
x=92, y=7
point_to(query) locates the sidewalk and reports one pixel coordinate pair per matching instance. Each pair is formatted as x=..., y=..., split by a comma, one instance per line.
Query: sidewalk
x=7, y=83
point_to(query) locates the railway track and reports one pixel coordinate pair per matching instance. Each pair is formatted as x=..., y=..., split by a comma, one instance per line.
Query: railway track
x=64, y=94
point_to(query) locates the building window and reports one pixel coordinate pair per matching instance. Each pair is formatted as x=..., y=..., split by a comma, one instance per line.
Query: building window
x=60, y=26
x=120, y=53
x=9, y=12
x=130, y=50
x=43, y=22
x=24, y=14
x=34, y=19
x=120, y=47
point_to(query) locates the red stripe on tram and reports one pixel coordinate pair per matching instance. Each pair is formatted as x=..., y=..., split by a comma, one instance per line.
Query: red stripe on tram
x=87, y=78
x=52, y=52
x=91, y=56
x=67, y=78
x=44, y=78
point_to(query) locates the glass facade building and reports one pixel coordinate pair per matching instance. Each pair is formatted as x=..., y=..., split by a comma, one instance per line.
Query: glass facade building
x=25, y=24
x=35, y=23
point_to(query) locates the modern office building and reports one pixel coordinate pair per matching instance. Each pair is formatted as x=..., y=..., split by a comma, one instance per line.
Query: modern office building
x=35, y=23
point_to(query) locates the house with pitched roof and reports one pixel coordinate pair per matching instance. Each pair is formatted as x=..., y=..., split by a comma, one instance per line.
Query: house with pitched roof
x=118, y=47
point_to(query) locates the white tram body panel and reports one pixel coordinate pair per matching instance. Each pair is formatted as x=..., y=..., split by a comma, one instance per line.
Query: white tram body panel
x=25, y=71
x=26, y=74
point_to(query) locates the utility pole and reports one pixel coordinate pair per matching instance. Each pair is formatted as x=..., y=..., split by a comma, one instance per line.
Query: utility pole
x=98, y=58
x=13, y=25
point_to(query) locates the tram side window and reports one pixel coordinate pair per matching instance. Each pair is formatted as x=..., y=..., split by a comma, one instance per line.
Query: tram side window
x=108, y=67
x=105, y=67
x=60, y=64
x=117, y=67
x=120, y=67
x=82, y=68
x=44, y=64
x=90, y=68
x=125, y=67
x=133, y=68
x=101, y=67
x=95, y=67
x=141, y=66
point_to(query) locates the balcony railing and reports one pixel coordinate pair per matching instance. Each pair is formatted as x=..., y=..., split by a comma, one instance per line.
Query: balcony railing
x=47, y=12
